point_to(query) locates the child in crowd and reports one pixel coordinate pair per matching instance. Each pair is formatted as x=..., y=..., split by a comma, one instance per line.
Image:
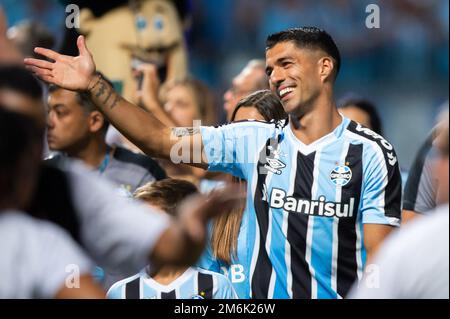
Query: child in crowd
x=171, y=282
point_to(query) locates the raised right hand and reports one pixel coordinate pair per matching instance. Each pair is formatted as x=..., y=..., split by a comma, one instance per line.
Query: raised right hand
x=68, y=72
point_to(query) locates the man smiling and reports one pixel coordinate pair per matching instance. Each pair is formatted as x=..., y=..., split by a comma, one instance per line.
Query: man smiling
x=341, y=182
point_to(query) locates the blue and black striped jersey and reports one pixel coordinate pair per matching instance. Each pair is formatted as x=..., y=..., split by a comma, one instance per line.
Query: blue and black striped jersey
x=194, y=283
x=307, y=203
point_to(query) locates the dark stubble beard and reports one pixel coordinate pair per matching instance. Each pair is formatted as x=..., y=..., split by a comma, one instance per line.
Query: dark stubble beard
x=303, y=109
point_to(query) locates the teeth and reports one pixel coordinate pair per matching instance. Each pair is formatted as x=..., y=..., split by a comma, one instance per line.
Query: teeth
x=285, y=91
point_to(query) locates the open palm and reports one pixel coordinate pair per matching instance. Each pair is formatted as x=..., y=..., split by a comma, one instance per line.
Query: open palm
x=68, y=72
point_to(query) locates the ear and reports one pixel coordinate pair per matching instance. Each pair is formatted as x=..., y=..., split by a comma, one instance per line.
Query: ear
x=96, y=121
x=326, y=67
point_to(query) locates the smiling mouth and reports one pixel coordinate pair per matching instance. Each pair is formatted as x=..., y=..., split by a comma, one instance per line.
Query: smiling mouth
x=284, y=93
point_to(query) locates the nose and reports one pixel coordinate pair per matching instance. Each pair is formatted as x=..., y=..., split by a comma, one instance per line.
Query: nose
x=50, y=121
x=276, y=77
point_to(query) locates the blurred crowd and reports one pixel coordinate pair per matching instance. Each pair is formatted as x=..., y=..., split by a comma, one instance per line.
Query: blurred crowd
x=377, y=61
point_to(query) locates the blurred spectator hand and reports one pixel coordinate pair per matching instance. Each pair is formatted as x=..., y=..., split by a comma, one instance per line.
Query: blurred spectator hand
x=195, y=212
x=184, y=242
x=147, y=92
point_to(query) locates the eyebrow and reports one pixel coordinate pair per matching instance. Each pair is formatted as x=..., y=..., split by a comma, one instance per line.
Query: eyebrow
x=56, y=106
x=284, y=58
x=278, y=61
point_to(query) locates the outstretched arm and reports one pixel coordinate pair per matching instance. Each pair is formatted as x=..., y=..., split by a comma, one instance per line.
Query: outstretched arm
x=140, y=127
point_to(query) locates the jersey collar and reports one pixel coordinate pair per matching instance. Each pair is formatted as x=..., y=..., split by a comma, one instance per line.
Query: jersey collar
x=174, y=284
x=321, y=142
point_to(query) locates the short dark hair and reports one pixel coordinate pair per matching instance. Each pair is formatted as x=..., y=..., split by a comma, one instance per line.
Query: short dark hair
x=308, y=37
x=366, y=106
x=167, y=194
x=19, y=79
x=267, y=104
x=85, y=101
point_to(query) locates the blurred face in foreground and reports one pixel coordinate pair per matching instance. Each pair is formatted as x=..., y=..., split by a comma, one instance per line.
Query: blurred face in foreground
x=21, y=159
x=20, y=103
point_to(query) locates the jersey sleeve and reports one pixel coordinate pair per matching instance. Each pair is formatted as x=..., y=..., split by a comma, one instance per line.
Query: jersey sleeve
x=225, y=289
x=235, y=148
x=382, y=188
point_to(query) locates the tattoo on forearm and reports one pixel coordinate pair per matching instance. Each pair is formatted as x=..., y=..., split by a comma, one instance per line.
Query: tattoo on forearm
x=114, y=102
x=108, y=96
x=185, y=131
x=103, y=91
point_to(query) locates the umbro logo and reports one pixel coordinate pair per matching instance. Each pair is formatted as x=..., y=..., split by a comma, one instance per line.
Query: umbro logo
x=274, y=165
x=276, y=152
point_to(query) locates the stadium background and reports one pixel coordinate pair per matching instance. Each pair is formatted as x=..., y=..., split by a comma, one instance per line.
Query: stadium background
x=402, y=67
